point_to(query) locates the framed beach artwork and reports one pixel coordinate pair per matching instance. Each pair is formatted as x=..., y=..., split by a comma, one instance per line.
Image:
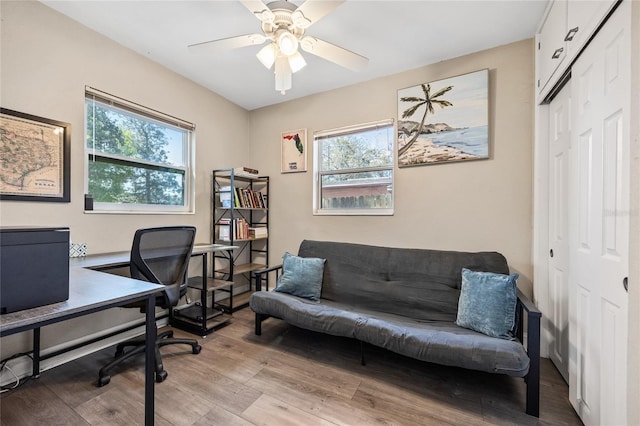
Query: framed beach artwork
x=444, y=121
x=293, y=146
x=35, y=156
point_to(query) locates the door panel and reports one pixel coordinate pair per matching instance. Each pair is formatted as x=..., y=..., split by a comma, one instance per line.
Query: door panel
x=559, y=139
x=585, y=188
x=599, y=240
x=582, y=387
x=612, y=194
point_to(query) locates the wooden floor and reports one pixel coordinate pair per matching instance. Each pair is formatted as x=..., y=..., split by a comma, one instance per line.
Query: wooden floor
x=287, y=376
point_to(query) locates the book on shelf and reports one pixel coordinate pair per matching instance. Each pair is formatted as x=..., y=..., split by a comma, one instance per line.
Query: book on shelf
x=242, y=198
x=227, y=229
x=248, y=198
x=255, y=199
x=225, y=196
x=258, y=232
x=245, y=171
x=236, y=197
x=224, y=233
x=240, y=229
x=224, y=229
x=236, y=229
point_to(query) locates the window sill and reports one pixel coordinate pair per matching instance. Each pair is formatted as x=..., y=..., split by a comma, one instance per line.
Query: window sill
x=136, y=212
x=354, y=212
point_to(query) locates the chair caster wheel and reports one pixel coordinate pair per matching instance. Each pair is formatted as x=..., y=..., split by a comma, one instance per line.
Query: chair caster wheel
x=161, y=377
x=103, y=381
x=196, y=349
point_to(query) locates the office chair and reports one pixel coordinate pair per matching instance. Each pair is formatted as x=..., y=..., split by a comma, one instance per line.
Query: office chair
x=158, y=255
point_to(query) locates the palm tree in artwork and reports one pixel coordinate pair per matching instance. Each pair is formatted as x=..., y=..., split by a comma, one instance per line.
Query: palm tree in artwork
x=428, y=102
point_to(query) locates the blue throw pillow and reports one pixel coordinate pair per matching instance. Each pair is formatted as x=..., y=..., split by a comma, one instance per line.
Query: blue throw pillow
x=301, y=276
x=487, y=303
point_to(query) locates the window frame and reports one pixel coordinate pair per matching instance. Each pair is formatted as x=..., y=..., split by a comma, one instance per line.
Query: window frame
x=318, y=136
x=150, y=115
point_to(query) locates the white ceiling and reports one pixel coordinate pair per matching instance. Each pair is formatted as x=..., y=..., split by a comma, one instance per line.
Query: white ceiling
x=394, y=35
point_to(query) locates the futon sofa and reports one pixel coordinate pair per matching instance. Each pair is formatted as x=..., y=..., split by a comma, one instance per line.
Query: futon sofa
x=406, y=300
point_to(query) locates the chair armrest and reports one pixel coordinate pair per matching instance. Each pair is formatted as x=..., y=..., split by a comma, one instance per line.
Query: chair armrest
x=261, y=274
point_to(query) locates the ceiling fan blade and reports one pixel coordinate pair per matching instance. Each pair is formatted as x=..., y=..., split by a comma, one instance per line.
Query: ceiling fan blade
x=259, y=10
x=333, y=53
x=312, y=11
x=227, y=43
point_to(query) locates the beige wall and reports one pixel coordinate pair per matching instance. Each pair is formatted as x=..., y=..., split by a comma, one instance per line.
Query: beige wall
x=477, y=205
x=46, y=61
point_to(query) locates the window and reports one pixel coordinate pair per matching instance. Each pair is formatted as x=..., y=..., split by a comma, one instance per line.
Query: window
x=353, y=170
x=137, y=159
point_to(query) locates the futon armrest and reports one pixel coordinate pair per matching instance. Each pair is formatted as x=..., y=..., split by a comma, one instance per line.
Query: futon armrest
x=528, y=304
x=261, y=274
x=267, y=270
x=533, y=316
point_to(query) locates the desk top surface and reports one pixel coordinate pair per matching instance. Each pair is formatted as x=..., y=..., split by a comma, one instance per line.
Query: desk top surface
x=121, y=258
x=88, y=290
x=91, y=290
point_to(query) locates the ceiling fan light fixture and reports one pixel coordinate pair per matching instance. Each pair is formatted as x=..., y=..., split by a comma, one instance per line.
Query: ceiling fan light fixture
x=267, y=55
x=283, y=25
x=287, y=43
x=296, y=62
x=283, y=74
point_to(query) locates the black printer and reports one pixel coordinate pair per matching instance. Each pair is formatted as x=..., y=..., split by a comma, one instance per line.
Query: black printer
x=34, y=267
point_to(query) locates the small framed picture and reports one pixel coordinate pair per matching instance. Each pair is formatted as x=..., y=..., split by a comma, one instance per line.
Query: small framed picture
x=293, y=146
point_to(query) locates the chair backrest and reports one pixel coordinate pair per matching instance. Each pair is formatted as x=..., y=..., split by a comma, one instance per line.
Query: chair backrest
x=161, y=255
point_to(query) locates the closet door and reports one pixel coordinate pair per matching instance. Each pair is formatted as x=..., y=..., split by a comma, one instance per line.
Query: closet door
x=559, y=142
x=599, y=240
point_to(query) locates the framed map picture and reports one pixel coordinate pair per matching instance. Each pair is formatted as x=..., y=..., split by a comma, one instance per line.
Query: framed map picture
x=34, y=158
x=293, y=145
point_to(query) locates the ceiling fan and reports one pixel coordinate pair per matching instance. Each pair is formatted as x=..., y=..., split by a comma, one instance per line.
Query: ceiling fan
x=284, y=25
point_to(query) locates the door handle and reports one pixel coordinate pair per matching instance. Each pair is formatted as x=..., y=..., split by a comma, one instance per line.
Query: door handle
x=551, y=253
x=557, y=53
x=571, y=34
x=625, y=284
